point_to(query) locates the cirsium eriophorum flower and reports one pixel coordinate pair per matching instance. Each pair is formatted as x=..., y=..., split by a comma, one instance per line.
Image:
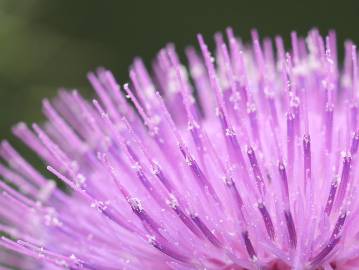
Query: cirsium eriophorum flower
x=245, y=160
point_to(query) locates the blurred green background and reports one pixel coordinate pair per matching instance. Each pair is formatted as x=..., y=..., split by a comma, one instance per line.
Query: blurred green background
x=47, y=44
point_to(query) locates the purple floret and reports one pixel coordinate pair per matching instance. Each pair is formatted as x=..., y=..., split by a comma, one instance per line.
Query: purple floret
x=242, y=160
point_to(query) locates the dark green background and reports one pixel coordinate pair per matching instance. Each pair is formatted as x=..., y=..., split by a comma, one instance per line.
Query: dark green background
x=46, y=44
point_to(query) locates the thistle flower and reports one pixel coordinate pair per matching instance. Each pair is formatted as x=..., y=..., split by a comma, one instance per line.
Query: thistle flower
x=242, y=161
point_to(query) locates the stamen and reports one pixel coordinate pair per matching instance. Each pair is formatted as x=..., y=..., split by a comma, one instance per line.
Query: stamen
x=355, y=143
x=105, y=98
x=320, y=257
x=209, y=235
x=267, y=220
x=344, y=181
x=290, y=141
x=284, y=185
x=198, y=174
x=256, y=170
x=333, y=241
x=307, y=159
x=186, y=220
x=169, y=251
x=329, y=111
x=331, y=196
x=339, y=225
x=250, y=249
x=291, y=228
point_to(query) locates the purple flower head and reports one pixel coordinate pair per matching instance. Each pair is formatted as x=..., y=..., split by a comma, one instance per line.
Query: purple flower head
x=242, y=160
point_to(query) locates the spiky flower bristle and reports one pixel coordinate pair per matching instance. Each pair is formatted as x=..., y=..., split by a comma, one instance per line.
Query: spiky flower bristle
x=245, y=160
